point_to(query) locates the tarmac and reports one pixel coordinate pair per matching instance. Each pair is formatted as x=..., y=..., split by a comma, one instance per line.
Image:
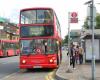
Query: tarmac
x=82, y=71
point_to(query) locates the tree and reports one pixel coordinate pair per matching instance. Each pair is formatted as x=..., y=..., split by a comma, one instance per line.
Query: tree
x=66, y=39
x=98, y=21
x=86, y=26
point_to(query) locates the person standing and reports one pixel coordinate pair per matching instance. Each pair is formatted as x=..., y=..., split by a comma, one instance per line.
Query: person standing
x=72, y=56
x=80, y=55
x=77, y=54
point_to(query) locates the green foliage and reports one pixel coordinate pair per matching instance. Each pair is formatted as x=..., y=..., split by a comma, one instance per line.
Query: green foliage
x=97, y=22
x=86, y=24
x=66, y=39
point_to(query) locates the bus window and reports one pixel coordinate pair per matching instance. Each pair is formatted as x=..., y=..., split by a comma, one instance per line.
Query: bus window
x=35, y=46
x=36, y=16
x=31, y=31
x=0, y=46
x=52, y=47
x=25, y=47
x=5, y=45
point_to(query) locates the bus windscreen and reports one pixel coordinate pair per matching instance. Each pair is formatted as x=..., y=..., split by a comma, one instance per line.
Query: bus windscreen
x=30, y=31
x=36, y=16
x=36, y=46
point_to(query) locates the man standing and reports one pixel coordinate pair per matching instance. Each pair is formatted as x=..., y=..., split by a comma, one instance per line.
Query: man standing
x=72, y=56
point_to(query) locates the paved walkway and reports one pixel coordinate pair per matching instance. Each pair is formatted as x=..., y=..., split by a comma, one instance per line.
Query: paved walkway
x=82, y=72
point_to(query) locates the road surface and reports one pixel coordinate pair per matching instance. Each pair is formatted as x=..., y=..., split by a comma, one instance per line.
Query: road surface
x=9, y=70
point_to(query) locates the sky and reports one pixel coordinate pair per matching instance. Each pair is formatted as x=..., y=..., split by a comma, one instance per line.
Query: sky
x=10, y=9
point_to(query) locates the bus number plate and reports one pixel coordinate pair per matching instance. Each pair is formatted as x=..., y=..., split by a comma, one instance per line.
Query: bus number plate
x=37, y=66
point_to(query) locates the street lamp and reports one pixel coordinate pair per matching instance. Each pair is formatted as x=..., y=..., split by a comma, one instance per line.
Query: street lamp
x=91, y=3
x=88, y=2
x=69, y=70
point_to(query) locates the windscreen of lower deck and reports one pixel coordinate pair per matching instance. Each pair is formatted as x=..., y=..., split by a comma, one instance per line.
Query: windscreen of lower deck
x=37, y=46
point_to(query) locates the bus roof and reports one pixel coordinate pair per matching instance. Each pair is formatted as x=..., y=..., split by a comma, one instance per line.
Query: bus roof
x=36, y=8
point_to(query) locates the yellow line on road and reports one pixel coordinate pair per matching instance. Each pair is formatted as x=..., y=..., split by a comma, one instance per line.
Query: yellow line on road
x=50, y=76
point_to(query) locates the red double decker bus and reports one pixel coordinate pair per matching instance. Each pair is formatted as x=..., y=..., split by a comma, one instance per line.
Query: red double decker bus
x=40, y=38
x=9, y=48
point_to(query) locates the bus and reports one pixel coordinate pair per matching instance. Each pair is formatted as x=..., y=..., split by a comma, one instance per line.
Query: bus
x=40, y=38
x=9, y=48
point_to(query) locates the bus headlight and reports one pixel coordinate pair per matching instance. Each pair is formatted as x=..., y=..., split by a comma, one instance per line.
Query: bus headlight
x=51, y=60
x=23, y=61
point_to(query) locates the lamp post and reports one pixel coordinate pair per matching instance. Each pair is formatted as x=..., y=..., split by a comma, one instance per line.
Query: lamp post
x=69, y=70
x=93, y=55
x=81, y=36
x=91, y=3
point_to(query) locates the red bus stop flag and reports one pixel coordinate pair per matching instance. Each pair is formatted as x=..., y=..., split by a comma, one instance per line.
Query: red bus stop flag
x=73, y=17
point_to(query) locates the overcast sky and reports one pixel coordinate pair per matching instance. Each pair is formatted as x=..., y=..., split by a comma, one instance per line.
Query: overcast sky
x=10, y=9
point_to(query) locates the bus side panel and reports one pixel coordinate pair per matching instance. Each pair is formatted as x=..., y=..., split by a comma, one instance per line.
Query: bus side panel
x=10, y=52
x=1, y=53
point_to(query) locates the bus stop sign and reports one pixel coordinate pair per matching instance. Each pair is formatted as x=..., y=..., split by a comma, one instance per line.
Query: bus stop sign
x=73, y=17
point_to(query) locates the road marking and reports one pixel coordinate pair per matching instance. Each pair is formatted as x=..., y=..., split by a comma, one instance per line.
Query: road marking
x=9, y=75
x=50, y=75
x=6, y=62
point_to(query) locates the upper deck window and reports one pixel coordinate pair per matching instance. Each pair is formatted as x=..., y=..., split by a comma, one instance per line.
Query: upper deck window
x=36, y=16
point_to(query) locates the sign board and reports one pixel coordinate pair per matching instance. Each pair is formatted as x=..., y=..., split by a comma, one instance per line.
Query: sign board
x=73, y=17
x=1, y=27
x=74, y=14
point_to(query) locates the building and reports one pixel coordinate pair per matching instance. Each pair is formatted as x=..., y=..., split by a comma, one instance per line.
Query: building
x=8, y=30
x=75, y=35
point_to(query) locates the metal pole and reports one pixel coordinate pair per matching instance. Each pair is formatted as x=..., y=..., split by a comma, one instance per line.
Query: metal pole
x=93, y=55
x=69, y=70
x=81, y=36
x=69, y=33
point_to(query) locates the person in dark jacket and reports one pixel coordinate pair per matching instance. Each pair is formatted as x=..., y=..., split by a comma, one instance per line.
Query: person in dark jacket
x=72, y=56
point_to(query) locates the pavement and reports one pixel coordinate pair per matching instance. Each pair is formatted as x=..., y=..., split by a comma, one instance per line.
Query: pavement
x=82, y=72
